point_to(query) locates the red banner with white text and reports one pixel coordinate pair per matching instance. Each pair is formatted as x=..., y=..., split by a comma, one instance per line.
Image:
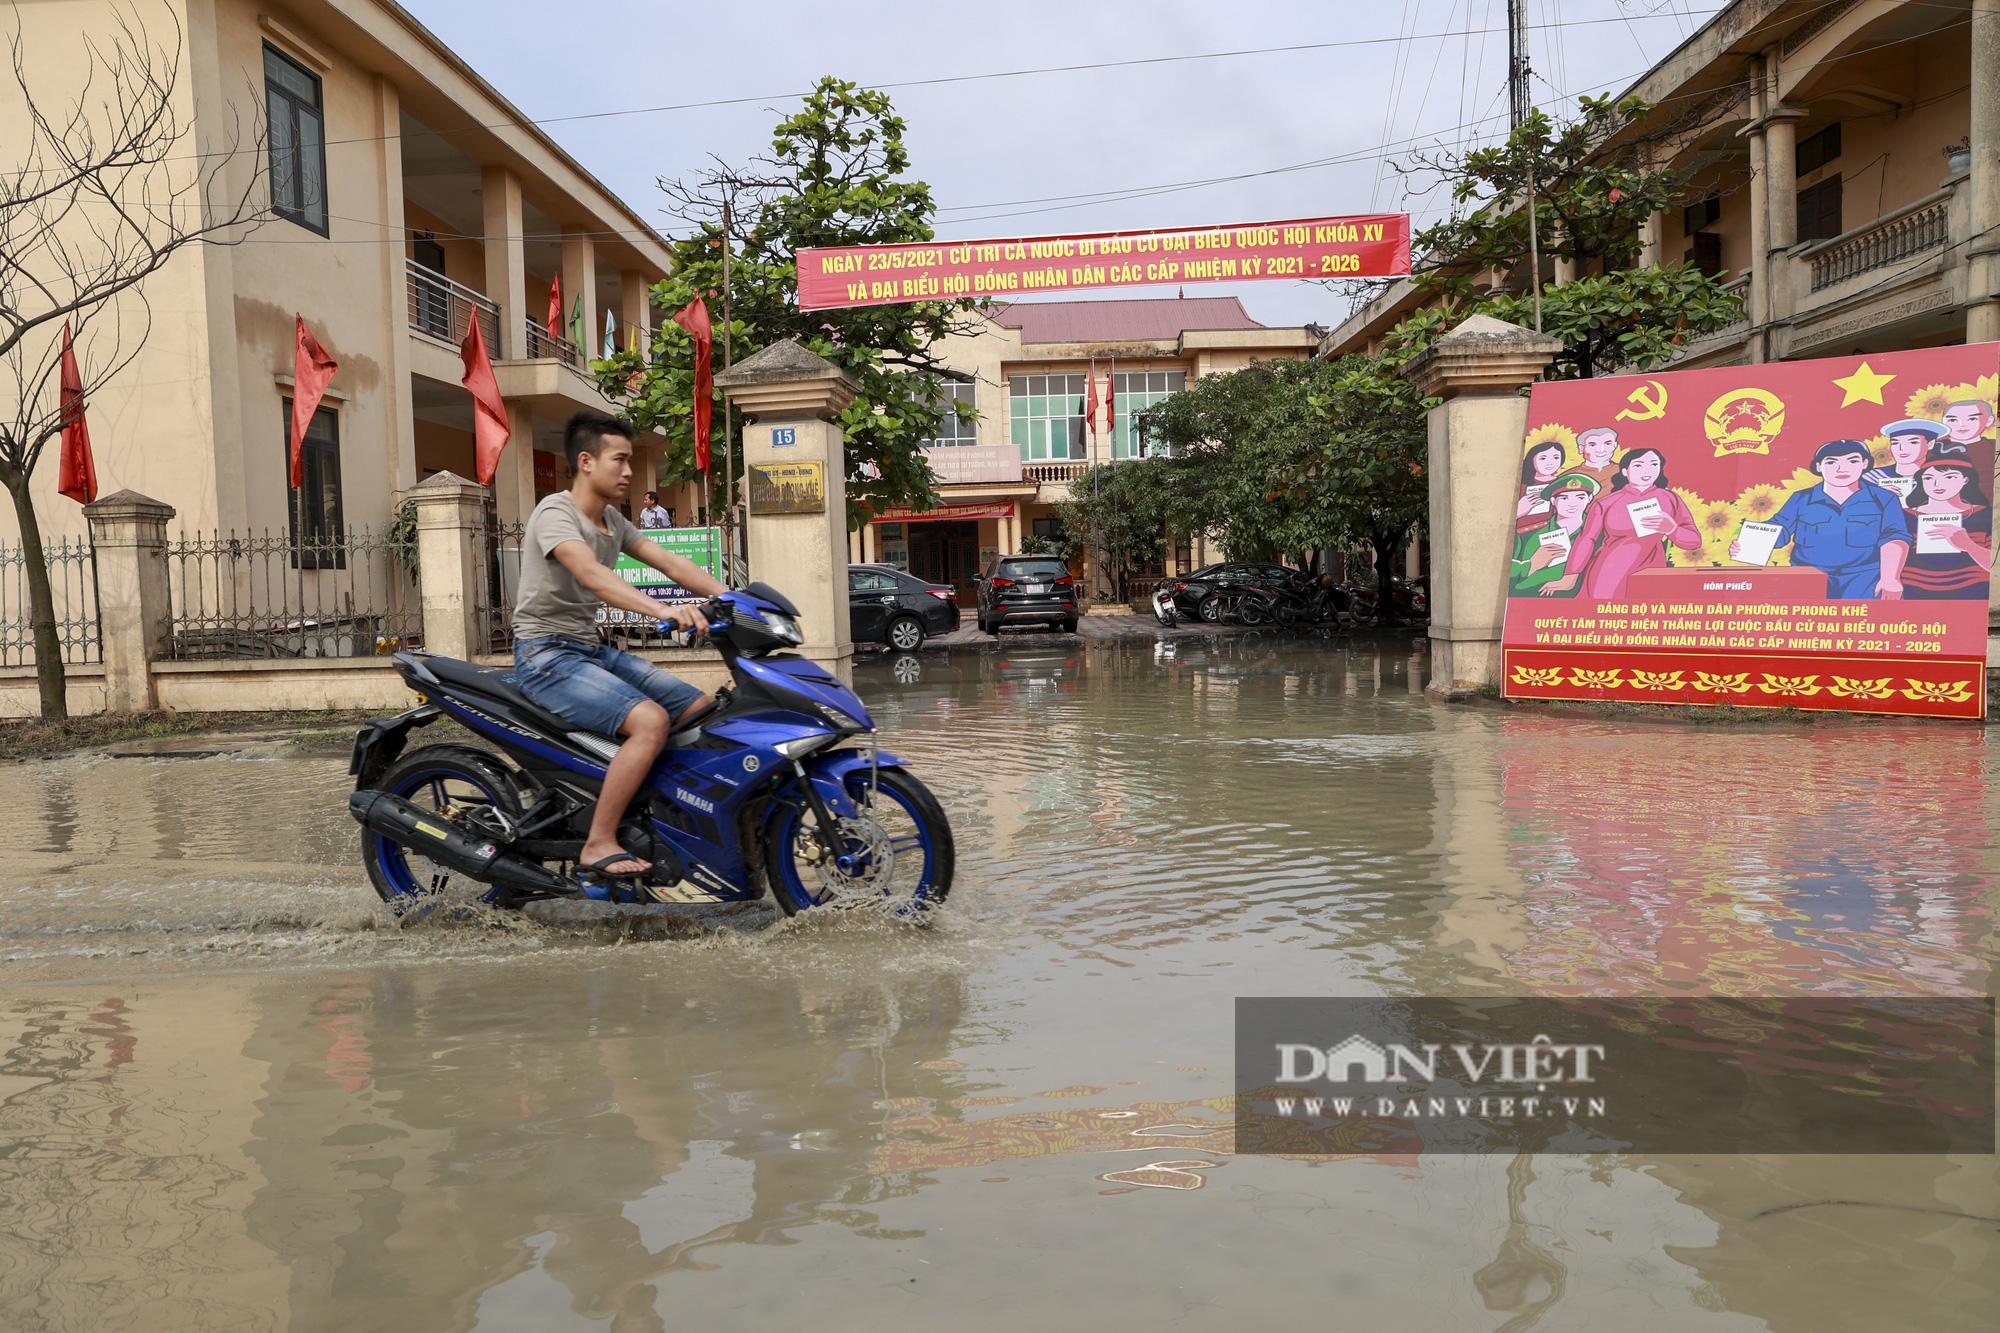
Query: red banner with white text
x=1807, y=534
x=1375, y=245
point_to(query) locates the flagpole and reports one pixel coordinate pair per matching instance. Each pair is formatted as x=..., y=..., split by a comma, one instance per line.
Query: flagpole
x=728, y=435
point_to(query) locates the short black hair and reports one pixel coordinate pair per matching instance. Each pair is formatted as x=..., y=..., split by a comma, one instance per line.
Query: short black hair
x=652, y=495
x=586, y=431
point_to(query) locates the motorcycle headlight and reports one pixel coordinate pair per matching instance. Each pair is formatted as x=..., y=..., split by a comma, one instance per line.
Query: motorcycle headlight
x=804, y=745
x=784, y=628
x=840, y=719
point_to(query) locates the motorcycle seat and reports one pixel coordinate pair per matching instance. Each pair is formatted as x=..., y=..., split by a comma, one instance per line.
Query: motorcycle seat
x=493, y=682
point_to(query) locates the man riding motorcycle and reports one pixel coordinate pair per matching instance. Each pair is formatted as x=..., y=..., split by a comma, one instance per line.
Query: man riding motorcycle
x=568, y=569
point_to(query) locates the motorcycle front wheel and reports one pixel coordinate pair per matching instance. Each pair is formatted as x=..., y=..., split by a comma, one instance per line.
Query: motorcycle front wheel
x=898, y=856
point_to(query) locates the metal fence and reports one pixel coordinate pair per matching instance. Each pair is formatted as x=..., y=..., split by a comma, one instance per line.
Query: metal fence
x=72, y=566
x=542, y=347
x=499, y=577
x=279, y=596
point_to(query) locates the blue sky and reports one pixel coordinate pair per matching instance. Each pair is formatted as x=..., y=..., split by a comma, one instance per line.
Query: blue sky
x=992, y=148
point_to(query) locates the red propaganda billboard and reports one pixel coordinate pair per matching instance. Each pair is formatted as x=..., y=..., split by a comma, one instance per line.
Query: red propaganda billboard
x=1376, y=245
x=1807, y=534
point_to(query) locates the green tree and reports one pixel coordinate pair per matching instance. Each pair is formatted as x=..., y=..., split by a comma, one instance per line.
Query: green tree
x=1119, y=511
x=1594, y=185
x=834, y=177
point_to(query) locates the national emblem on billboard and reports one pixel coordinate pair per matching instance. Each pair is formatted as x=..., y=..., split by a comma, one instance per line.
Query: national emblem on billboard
x=1814, y=534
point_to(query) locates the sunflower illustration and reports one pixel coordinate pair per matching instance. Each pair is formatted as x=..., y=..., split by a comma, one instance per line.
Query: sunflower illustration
x=1800, y=480
x=1758, y=503
x=1697, y=507
x=1986, y=388
x=1931, y=400
x=1878, y=449
x=1555, y=432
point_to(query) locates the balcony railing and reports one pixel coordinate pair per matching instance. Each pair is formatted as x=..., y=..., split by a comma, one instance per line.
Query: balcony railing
x=1924, y=225
x=444, y=309
x=541, y=347
x=1054, y=472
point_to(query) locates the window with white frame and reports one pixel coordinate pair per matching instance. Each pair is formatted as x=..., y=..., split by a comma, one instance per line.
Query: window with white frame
x=1045, y=415
x=958, y=426
x=1133, y=392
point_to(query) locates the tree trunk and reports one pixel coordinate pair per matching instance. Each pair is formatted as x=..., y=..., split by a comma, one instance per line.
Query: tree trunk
x=49, y=675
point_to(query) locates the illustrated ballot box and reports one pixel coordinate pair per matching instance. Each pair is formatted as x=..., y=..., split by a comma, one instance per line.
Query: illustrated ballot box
x=1789, y=584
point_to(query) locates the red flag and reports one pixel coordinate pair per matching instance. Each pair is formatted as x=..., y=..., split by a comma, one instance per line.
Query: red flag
x=694, y=318
x=77, y=476
x=1090, y=400
x=555, y=319
x=312, y=371
x=1110, y=399
x=489, y=411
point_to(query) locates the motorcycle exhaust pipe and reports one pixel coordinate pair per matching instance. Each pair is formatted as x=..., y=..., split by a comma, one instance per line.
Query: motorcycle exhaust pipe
x=424, y=832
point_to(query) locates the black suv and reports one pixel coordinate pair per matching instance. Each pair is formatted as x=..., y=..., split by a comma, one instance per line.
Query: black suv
x=1023, y=589
x=885, y=605
x=1191, y=590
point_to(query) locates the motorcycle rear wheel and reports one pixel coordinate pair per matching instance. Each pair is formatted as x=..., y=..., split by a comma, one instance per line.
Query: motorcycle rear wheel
x=455, y=782
x=906, y=819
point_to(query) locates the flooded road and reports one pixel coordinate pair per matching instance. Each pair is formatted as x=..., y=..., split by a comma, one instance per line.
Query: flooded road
x=233, y=1094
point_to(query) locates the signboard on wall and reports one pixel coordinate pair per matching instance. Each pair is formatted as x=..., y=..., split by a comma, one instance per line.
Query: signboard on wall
x=1376, y=245
x=788, y=488
x=1807, y=534
x=703, y=546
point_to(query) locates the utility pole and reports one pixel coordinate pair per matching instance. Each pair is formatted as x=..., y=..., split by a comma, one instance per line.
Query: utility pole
x=1519, y=105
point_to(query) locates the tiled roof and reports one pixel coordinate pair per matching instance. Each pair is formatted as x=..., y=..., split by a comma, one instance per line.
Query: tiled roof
x=1122, y=321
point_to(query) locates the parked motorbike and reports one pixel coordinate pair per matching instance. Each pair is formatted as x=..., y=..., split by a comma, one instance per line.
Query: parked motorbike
x=754, y=793
x=1164, y=609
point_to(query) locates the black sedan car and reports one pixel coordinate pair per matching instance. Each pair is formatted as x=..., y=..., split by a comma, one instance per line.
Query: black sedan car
x=1027, y=589
x=1191, y=590
x=885, y=605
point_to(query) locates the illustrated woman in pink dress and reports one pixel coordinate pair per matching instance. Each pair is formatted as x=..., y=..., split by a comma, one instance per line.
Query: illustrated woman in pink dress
x=1618, y=541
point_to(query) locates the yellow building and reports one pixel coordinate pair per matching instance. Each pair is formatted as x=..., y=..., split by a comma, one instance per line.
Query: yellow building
x=1027, y=373
x=1842, y=173
x=411, y=199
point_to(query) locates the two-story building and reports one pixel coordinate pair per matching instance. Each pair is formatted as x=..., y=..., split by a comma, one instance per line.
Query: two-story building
x=1028, y=371
x=1843, y=161
x=409, y=198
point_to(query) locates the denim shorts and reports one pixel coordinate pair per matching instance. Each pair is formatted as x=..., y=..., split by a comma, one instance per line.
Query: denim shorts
x=592, y=686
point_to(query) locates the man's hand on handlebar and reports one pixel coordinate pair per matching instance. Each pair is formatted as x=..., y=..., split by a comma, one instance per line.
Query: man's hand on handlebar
x=684, y=617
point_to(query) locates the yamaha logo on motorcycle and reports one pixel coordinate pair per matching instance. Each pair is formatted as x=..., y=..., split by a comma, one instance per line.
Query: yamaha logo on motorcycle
x=819, y=824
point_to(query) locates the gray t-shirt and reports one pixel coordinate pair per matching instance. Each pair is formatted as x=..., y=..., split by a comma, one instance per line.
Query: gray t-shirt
x=551, y=601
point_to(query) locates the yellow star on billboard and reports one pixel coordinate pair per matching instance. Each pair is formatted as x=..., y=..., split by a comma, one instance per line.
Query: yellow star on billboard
x=1864, y=385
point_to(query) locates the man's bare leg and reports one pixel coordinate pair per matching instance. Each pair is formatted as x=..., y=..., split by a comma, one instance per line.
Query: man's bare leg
x=645, y=732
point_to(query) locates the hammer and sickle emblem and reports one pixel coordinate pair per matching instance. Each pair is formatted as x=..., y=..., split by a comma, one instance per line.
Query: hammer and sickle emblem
x=1654, y=405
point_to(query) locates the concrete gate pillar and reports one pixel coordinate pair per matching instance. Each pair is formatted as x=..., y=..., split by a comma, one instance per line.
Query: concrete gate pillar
x=1982, y=297
x=1476, y=434
x=128, y=532
x=788, y=397
x=451, y=521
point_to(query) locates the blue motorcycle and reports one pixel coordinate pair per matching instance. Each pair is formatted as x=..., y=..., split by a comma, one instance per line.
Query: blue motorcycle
x=756, y=793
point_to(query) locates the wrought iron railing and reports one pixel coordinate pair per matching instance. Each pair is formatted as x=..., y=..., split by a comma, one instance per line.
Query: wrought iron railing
x=543, y=347
x=249, y=596
x=444, y=309
x=1923, y=226
x=72, y=566
x=499, y=579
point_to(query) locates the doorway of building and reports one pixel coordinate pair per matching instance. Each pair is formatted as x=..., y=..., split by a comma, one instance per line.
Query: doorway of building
x=946, y=553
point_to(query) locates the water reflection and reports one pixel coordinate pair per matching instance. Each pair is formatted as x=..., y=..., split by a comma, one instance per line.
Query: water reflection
x=977, y=1124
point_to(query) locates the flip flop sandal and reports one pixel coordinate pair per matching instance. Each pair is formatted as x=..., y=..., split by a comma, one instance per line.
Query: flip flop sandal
x=602, y=875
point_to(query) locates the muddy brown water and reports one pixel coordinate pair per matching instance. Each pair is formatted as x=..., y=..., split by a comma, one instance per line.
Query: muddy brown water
x=234, y=1095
